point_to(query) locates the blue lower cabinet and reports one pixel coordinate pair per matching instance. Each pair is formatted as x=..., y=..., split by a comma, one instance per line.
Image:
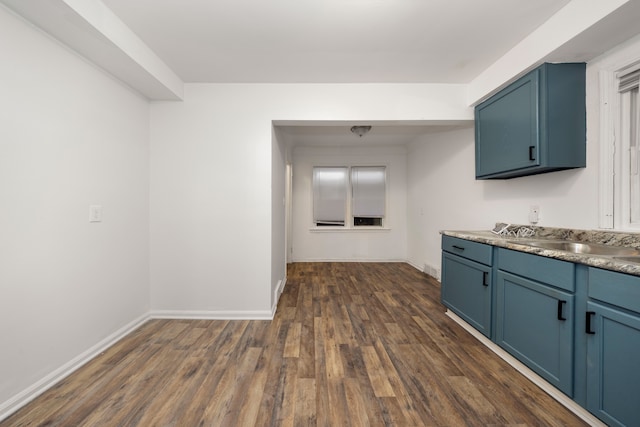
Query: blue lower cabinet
x=535, y=324
x=466, y=290
x=578, y=328
x=613, y=365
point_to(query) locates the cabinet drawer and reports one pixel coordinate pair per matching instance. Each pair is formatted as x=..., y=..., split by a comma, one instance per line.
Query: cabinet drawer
x=555, y=272
x=615, y=288
x=475, y=251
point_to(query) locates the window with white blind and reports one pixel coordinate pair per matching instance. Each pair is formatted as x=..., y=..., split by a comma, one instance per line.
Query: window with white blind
x=368, y=195
x=628, y=84
x=620, y=144
x=329, y=196
x=365, y=186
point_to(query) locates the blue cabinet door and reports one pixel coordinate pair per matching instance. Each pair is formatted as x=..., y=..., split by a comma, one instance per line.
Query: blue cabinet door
x=507, y=128
x=534, y=125
x=535, y=324
x=613, y=365
x=466, y=290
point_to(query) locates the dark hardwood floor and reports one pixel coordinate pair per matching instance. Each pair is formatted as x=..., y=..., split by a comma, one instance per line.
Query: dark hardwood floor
x=352, y=344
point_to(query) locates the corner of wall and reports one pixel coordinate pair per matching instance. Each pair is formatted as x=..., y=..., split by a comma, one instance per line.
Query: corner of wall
x=24, y=397
x=277, y=292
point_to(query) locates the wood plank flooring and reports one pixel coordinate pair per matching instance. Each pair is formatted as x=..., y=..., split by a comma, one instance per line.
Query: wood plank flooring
x=352, y=344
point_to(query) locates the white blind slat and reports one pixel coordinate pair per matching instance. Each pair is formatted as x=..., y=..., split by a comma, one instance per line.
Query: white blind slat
x=629, y=78
x=329, y=194
x=634, y=152
x=368, y=191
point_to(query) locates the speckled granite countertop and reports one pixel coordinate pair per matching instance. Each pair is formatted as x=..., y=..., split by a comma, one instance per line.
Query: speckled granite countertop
x=630, y=240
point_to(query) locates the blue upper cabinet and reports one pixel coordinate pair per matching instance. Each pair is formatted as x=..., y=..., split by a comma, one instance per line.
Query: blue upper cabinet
x=535, y=125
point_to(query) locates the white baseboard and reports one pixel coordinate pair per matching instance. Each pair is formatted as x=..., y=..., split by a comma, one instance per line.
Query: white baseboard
x=276, y=295
x=414, y=265
x=426, y=269
x=24, y=397
x=559, y=396
x=27, y=395
x=212, y=315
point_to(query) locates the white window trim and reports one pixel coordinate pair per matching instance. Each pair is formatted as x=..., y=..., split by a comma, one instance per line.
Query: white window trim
x=349, y=227
x=609, y=106
x=345, y=229
x=629, y=182
x=612, y=186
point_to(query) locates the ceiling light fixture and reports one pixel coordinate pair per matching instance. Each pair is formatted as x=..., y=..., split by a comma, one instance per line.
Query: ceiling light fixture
x=360, y=130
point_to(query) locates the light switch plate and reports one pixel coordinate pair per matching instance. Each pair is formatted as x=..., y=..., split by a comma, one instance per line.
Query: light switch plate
x=95, y=213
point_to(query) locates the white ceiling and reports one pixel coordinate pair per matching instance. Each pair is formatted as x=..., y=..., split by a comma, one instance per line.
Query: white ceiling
x=332, y=41
x=332, y=134
x=325, y=41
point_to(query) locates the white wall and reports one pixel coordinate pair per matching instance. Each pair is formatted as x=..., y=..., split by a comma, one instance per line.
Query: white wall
x=442, y=185
x=310, y=244
x=559, y=40
x=278, y=216
x=211, y=177
x=69, y=137
x=444, y=195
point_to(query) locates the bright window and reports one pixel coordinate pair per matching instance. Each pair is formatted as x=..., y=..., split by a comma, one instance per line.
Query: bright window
x=365, y=186
x=368, y=195
x=620, y=146
x=329, y=196
x=629, y=123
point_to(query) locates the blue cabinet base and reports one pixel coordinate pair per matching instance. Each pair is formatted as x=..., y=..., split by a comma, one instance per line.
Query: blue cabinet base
x=559, y=396
x=575, y=328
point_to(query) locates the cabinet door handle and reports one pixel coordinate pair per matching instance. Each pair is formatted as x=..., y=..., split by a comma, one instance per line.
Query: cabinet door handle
x=485, y=278
x=532, y=152
x=460, y=248
x=561, y=304
x=587, y=328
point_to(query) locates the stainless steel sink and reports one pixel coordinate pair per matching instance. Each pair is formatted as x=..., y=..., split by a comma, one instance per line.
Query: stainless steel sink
x=582, y=248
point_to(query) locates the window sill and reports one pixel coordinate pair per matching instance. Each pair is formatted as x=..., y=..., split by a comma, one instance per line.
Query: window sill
x=348, y=229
